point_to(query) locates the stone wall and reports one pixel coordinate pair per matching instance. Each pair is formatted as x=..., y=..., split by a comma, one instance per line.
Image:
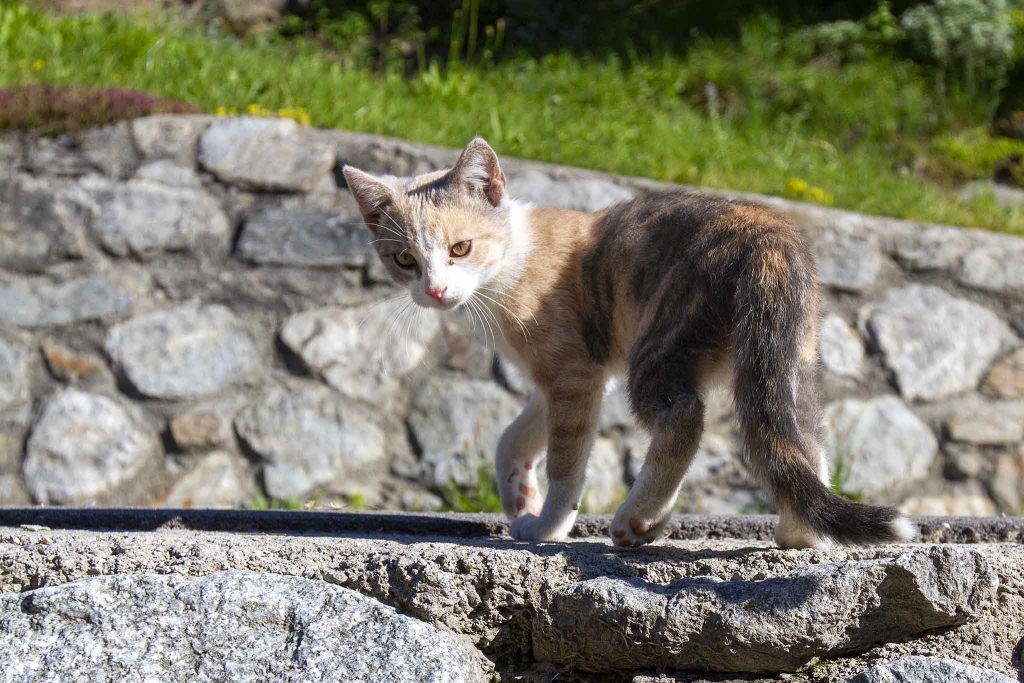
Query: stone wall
x=190, y=316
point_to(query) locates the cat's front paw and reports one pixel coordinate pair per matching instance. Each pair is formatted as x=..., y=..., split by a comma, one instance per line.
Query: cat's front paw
x=633, y=531
x=534, y=528
x=520, y=495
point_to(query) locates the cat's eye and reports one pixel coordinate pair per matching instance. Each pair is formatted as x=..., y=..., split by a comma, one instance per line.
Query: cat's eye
x=461, y=248
x=404, y=259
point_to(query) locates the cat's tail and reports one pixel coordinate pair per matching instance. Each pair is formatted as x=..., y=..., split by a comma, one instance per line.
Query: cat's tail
x=775, y=368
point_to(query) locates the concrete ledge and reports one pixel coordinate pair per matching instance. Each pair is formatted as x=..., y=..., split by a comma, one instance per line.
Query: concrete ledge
x=460, y=525
x=715, y=597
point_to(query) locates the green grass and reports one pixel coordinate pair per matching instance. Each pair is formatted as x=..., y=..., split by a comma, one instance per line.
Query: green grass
x=483, y=498
x=853, y=134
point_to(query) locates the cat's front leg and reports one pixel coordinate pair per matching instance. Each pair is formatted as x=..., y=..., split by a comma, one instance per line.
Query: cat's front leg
x=515, y=464
x=573, y=405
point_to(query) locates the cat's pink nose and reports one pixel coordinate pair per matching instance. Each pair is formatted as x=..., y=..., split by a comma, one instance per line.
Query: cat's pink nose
x=437, y=292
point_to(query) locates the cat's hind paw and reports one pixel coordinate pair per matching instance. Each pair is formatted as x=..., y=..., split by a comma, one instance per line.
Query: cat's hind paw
x=633, y=532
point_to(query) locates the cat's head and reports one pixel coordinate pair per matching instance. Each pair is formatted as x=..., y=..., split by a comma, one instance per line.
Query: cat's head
x=444, y=234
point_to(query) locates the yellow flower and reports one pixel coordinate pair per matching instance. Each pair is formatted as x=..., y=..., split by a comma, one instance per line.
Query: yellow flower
x=116, y=78
x=820, y=196
x=38, y=64
x=297, y=114
x=797, y=186
x=221, y=111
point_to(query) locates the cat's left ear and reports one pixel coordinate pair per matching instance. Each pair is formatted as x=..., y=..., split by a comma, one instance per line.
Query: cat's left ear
x=479, y=172
x=372, y=194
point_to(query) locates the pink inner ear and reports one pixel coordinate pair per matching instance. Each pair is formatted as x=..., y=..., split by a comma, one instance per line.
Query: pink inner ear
x=495, y=189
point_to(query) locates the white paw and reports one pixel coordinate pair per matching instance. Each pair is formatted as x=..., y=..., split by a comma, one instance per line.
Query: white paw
x=519, y=493
x=530, y=527
x=634, y=530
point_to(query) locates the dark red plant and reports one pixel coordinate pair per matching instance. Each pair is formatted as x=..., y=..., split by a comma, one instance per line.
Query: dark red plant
x=52, y=109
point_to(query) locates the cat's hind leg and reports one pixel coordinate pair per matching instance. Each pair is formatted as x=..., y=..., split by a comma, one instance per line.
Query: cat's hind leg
x=675, y=436
x=517, y=458
x=666, y=371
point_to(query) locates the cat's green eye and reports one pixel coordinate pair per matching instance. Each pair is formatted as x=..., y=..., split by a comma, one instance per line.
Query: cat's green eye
x=461, y=248
x=404, y=259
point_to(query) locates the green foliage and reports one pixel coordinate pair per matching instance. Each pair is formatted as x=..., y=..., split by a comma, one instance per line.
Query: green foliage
x=750, y=112
x=840, y=478
x=852, y=39
x=356, y=501
x=483, y=498
x=971, y=41
x=261, y=502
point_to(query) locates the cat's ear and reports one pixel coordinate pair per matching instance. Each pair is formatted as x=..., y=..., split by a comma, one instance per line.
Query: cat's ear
x=372, y=194
x=479, y=172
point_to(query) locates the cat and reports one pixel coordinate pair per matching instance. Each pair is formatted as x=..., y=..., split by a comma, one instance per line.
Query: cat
x=676, y=291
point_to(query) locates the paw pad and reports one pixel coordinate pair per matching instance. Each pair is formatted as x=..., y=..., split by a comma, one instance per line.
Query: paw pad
x=639, y=527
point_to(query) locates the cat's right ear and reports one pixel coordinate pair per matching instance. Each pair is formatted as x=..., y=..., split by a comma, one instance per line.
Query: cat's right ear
x=372, y=194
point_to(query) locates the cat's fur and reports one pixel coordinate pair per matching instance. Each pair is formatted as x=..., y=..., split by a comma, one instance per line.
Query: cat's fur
x=676, y=290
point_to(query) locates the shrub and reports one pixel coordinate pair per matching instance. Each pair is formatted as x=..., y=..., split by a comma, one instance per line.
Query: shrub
x=970, y=41
x=55, y=109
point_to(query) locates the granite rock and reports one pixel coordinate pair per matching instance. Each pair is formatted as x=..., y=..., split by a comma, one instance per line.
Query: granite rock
x=85, y=446
x=187, y=351
x=238, y=625
x=877, y=443
x=264, y=154
x=936, y=344
x=310, y=439
x=141, y=218
x=364, y=352
x=456, y=424
x=304, y=238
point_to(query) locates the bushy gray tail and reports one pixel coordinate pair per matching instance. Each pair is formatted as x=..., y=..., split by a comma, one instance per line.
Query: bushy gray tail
x=775, y=302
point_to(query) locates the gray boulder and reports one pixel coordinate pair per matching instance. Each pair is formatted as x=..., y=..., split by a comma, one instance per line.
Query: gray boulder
x=83, y=447
x=170, y=173
x=310, y=439
x=240, y=626
x=264, y=154
x=170, y=137
x=305, y=238
x=43, y=301
x=217, y=481
x=995, y=268
x=457, y=424
x=877, y=443
x=936, y=344
x=772, y=625
x=842, y=349
x=848, y=258
x=581, y=194
x=932, y=248
x=142, y=218
x=916, y=669
x=182, y=352
x=366, y=351
x=40, y=223
x=14, y=373
x=987, y=422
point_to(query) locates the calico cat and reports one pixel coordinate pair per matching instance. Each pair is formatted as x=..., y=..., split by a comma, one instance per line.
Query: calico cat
x=676, y=291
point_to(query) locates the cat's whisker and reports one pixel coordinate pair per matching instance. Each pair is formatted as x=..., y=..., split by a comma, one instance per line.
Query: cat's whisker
x=510, y=297
x=511, y=315
x=493, y=318
x=386, y=347
x=369, y=313
x=482, y=310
